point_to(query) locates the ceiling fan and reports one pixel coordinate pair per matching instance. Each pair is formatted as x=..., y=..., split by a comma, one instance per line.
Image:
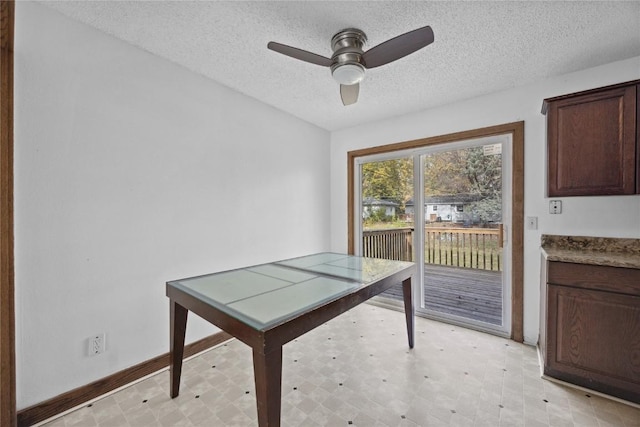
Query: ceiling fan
x=349, y=61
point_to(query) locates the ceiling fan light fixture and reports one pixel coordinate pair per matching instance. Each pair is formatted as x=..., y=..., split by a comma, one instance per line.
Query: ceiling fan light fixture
x=348, y=74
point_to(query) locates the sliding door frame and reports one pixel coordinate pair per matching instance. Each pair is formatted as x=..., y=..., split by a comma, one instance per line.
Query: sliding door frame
x=516, y=130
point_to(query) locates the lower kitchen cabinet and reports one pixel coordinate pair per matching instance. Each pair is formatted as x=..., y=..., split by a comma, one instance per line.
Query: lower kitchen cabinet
x=591, y=327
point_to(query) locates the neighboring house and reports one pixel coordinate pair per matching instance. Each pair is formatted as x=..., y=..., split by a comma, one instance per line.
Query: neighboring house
x=447, y=208
x=370, y=205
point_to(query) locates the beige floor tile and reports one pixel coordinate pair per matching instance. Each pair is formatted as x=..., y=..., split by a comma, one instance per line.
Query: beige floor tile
x=117, y=420
x=532, y=422
x=141, y=418
x=510, y=417
x=458, y=420
x=357, y=370
x=81, y=416
x=586, y=419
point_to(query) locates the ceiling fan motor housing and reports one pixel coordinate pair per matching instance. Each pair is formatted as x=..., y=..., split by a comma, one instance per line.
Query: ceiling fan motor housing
x=347, y=67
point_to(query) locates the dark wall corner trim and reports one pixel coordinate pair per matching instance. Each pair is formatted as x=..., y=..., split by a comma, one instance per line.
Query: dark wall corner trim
x=7, y=289
x=65, y=401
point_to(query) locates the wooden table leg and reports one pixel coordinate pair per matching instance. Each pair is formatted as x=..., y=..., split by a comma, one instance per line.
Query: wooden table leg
x=267, y=369
x=178, y=327
x=408, y=309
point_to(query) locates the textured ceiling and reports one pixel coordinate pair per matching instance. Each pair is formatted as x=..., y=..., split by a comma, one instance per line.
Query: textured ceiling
x=480, y=47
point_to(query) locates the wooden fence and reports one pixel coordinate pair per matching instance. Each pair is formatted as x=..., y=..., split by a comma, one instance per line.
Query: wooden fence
x=478, y=248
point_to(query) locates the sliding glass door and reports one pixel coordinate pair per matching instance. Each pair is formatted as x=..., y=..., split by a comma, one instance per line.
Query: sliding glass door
x=443, y=207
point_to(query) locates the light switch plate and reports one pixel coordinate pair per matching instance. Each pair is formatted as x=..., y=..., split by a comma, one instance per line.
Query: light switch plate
x=532, y=222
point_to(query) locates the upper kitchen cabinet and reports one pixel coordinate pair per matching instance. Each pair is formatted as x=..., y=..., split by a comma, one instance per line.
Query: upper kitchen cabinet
x=593, y=142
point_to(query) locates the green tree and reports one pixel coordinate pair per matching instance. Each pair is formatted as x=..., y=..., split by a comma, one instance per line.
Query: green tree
x=388, y=180
x=467, y=171
x=484, y=173
x=444, y=173
x=464, y=171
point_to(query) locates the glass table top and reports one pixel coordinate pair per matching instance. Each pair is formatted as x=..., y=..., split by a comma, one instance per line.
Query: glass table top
x=268, y=294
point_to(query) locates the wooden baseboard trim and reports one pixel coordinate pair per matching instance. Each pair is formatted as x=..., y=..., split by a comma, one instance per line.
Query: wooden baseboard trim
x=65, y=401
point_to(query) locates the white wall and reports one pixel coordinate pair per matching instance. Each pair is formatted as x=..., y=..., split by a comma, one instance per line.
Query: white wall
x=589, y=216
x=131, y=171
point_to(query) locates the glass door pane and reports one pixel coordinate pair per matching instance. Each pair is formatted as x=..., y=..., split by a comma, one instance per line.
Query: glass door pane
x=387, y=220
x=463, y=234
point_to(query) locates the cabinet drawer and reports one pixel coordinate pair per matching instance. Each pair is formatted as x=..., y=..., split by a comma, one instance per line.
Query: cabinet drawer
x=597, y=277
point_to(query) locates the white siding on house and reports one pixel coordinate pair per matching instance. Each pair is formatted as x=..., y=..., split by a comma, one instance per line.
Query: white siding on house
x=446, y=212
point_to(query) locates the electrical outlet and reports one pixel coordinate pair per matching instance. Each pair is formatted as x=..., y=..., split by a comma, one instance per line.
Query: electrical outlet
x=532, y=222
x=555, y=206
x=97, y=344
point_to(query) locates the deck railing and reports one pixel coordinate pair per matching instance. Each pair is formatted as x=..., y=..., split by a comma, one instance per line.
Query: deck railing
x=478, y=248
x=394, y=243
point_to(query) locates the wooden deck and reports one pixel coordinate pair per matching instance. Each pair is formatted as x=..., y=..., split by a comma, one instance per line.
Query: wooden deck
x=464, y=292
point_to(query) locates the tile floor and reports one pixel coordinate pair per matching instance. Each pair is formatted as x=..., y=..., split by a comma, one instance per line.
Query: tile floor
x=357, y=370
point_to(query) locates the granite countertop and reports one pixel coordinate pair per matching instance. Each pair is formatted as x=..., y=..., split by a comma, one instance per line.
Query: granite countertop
x=607, y=251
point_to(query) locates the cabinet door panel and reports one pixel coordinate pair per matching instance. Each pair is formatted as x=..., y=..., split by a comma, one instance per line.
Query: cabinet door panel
x=594, y=339
x=592, y=143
